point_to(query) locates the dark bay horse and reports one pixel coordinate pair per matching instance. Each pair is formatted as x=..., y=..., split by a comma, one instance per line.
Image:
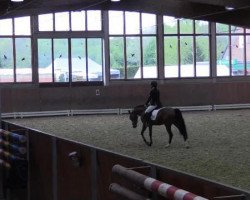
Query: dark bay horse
x=166, y=116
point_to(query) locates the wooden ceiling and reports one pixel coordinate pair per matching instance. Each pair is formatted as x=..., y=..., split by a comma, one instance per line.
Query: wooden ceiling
x=210, y=10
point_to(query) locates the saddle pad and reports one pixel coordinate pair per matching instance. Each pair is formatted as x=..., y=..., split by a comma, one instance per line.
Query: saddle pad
x=154, y=113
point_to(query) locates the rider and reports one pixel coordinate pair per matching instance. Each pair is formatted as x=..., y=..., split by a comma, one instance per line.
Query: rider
x=153, y=101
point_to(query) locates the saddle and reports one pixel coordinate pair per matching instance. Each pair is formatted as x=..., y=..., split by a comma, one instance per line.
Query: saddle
x=154, y=113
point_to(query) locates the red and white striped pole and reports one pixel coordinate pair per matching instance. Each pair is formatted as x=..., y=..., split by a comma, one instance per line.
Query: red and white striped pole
x=169, y=191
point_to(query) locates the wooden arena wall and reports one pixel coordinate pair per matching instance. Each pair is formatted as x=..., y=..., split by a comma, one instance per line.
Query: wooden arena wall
x=52, y=175
x=120, y=95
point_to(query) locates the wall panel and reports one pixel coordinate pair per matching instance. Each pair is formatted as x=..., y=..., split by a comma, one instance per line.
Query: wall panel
x=122, y=96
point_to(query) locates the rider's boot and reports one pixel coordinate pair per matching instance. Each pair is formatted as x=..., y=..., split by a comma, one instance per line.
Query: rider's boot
x=147, y=117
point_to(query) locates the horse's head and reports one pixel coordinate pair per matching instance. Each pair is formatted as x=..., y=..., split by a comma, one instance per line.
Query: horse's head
x=134, y=118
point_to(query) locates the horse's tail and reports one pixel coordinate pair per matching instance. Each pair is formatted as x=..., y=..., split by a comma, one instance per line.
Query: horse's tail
x=180, y=123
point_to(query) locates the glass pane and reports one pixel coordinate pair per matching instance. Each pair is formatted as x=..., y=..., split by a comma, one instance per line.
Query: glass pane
x=171, y=57
x=132, y=21
x=202, y=56
x=248, y=54
x=187, y=56
x=78, y=21
x=117, y=63
x=237, y=57
x=78, y=59
x=186, y=26
x=222, y=28
x=94, y=20
x=222, y=51
x=22, y=26
x=45, y=22
x=201, y=26
x=236, y=29
x=148, y=23
x=23, y=60
x=61, y=60
x=133, y=57
x=6, y=27
x=45, y=60
x=6, y=60
x=62, y=21
x=116, y=22
x=170, y=25
x=94, y=61
x=149, y=57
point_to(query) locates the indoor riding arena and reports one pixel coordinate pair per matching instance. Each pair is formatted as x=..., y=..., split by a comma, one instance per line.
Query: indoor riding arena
x=79, y=80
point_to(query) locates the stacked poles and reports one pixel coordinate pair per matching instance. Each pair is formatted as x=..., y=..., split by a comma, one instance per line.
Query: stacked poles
x=12, y=148
x=166, y=190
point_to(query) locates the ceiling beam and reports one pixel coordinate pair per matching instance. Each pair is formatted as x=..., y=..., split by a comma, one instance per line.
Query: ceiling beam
x=233, y=3
x=191, y=9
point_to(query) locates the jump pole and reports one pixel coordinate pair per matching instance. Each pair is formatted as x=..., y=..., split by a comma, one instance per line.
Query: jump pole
x=169, y=191
x=124, y=192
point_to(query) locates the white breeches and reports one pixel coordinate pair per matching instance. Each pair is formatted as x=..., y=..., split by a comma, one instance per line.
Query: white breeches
x=150, y=108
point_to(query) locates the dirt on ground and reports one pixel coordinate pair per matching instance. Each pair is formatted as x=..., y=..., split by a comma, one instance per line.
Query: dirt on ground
x=219, y=141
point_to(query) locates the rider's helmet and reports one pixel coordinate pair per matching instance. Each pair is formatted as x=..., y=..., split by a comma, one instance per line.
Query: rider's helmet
x=153, y=84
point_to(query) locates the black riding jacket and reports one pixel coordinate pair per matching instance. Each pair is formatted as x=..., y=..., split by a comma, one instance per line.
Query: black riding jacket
x=154, y=97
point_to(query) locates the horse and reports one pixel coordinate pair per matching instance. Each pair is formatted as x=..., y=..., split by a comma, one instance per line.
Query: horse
x=166, y=116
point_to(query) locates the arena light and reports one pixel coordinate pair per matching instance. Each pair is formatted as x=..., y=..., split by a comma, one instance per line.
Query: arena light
x=17, y=0
x=115, y=0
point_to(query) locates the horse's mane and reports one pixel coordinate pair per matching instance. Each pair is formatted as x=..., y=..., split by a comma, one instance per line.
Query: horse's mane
x=139, y=109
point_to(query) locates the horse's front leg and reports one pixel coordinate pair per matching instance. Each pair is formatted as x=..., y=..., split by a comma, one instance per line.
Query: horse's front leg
x=144, y=127
x=150, y=135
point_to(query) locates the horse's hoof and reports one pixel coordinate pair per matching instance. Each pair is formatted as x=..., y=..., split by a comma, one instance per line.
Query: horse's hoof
x=187, y=145
x=147, y=143
x=167, y=145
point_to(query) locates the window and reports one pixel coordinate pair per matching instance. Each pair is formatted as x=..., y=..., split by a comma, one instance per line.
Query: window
x=133, y=47
x=71, y=21
x=94, y=61
x=78, y=21
x=6, y=27
x=186, y=52
x=171, y=56
x=133, y=54
x=94, y=20
x=187, y=56
x=62, y=21
x=116, y=23
x=248, y=54
x=78, y=59
x=231, y=47
x=23, y=60
x=15, y=50
x=202, y=56
x=22, y=26
x=117, y=59
x=75, y=58
x=45, y=60
x=237, y=55
x=6, y=60
x=86, y=60
x=223, y=66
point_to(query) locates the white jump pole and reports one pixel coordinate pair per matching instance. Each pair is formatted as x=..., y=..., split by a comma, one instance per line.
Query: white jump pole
x=169, y=191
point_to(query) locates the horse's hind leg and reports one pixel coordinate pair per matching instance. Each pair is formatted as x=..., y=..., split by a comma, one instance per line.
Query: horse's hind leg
x=170, y=134
x=144, y=126
x=184, y=134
